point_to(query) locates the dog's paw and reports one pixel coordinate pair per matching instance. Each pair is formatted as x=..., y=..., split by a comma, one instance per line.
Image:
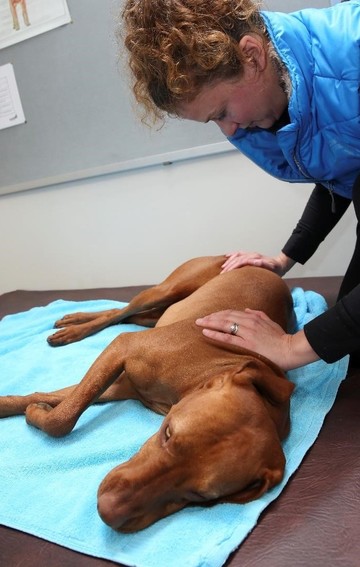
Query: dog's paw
x=43, y=416
x=75, y=319
x=65, y=336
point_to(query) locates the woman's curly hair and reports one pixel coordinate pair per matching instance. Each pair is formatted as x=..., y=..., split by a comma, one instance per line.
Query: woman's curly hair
x=178, y=46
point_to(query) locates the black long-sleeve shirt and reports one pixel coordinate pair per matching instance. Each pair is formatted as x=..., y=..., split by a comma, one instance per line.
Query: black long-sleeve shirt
x=335, y=333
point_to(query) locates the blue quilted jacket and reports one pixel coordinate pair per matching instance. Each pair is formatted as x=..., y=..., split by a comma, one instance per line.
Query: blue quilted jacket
x=321, y=50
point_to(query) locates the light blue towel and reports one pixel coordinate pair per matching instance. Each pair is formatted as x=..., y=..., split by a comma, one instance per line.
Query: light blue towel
x=48, y=486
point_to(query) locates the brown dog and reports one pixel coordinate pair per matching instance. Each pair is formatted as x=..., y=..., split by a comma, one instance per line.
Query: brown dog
x=227, y=408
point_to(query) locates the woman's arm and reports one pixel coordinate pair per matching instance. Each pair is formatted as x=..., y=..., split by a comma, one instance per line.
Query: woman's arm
x=260, y=334
x=336, y=332
x=322, y=212
x=330, y=336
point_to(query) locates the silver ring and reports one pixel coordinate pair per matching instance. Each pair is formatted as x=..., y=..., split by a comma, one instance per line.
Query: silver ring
x=234, y=329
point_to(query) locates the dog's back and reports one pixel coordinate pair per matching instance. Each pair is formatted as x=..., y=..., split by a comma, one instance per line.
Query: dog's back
x=247, y=287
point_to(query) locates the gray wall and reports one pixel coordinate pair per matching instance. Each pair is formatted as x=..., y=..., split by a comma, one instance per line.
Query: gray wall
x=79, y=109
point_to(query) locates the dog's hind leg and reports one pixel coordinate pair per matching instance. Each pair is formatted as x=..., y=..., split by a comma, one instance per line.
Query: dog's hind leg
x=148, y=304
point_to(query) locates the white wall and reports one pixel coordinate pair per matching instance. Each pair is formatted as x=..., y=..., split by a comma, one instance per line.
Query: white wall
x=133, y=228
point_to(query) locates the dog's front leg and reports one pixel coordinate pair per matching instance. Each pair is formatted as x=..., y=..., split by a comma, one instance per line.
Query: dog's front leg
x=61, y=420
x=16, y=405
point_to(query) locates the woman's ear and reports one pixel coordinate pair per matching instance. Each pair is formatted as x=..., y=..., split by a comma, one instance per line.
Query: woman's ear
x=254, y=52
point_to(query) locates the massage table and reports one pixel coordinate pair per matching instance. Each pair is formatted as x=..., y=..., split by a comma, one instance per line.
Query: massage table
x=315, y=520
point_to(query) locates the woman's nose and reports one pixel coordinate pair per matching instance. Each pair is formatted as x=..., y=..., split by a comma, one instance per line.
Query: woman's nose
x=227, y=127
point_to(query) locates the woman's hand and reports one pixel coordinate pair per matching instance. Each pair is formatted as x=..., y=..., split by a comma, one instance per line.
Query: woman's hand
x=257, y=332
x=279, y=264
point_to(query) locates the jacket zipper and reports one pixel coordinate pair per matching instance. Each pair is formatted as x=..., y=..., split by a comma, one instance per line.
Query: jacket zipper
x=328, y=185
x=298, y=165
x=331, y=193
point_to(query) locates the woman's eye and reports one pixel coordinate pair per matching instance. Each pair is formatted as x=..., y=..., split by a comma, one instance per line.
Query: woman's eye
x=221, y=116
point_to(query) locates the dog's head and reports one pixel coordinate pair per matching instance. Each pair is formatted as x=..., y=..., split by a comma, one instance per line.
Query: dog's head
x=221, y=443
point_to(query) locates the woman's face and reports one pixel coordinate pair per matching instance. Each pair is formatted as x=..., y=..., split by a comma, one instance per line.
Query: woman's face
x=254, y=100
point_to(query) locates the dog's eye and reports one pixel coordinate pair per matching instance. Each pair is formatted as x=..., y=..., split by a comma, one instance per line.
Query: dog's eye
x=167, y=433
x=195, y=496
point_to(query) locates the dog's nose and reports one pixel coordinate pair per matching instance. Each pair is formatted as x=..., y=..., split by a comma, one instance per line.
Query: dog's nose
x=108, y=510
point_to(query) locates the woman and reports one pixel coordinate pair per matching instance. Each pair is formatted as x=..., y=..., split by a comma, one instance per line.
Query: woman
x=284, y=89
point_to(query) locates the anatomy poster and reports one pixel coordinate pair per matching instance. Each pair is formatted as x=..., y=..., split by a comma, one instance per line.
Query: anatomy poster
x=22, y=19
x=11, y=111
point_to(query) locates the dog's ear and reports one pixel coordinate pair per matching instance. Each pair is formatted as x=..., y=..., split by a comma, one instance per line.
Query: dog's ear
x=269, y=478
x=268, y=379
